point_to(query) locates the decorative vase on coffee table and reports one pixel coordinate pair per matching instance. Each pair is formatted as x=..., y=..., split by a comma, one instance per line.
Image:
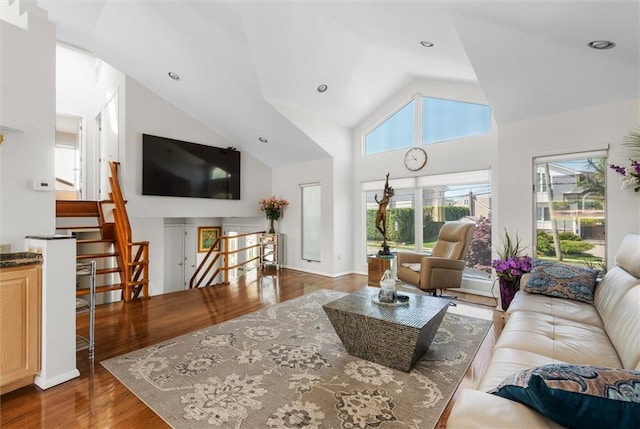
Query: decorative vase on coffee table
x=508, y=289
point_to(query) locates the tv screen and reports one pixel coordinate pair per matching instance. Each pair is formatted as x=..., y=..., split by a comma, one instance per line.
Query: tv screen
x=176, y=168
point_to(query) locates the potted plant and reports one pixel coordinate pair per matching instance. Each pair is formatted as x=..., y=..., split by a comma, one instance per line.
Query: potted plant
x=510, y=266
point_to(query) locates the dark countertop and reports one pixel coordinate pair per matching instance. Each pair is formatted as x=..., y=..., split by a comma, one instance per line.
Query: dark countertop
x=17, y=259
x=50, y=237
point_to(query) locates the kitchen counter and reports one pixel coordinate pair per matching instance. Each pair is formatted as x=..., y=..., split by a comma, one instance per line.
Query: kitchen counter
x=17, y=259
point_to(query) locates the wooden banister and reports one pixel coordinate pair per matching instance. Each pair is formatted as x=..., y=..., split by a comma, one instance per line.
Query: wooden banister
x=135, y=269
x=199, y=277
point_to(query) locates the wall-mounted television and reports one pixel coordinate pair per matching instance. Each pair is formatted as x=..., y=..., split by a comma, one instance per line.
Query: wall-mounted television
x=175, y=168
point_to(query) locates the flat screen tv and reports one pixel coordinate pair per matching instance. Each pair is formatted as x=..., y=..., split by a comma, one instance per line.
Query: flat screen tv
x=176, y=168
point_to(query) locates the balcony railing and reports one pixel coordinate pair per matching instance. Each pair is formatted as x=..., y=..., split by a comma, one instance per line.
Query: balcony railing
x=206, y=272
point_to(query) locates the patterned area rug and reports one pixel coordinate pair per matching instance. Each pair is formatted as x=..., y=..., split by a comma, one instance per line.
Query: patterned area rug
x=284, y=367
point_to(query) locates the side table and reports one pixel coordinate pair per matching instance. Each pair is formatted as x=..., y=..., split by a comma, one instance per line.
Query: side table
x=377, y=265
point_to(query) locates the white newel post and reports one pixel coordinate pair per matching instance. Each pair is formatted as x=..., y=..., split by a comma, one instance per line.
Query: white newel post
x=58, y=361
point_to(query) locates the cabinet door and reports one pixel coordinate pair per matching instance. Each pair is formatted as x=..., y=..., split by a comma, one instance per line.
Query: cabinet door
x=20, y=309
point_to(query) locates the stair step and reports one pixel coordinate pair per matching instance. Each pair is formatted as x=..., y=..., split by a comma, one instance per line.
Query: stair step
x=86, y=228
x=97, y=240
x=108, y=270
x=100, y=289
x=138, y=263
x=97, y=255
x=76, y=208
x=139, y=282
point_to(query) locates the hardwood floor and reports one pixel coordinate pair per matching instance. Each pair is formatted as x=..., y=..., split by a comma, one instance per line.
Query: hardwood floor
x=97, y=400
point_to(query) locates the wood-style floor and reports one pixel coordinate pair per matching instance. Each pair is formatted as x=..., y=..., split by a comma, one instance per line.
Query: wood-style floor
x=97, y=400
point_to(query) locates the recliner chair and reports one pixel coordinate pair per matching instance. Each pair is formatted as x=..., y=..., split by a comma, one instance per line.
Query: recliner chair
x=443, y=268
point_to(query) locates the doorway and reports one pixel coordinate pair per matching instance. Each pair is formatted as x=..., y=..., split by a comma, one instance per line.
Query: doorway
x=180, y=256
x=68, y=157
x=107, y=126
x=240, y=243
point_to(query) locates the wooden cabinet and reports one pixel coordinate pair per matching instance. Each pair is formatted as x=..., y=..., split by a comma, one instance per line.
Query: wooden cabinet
x=20, y=325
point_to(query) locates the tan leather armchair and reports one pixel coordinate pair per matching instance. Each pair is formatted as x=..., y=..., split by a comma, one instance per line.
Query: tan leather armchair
x=443, y=268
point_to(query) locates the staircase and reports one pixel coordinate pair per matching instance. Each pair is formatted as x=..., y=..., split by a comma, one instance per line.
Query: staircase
x=103, y=234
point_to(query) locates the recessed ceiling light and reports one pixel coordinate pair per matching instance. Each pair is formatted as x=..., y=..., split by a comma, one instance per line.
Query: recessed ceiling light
x=263, y=140
x=602, y=44
x=174, y=76
x=426, y=44
x=323, y=87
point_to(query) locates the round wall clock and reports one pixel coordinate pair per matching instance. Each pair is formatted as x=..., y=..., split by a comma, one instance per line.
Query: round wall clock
x=415, y=158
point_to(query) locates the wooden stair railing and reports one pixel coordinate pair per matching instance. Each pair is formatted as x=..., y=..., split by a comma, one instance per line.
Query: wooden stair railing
x=88, y=220
x=133, y=257
x=212, y=256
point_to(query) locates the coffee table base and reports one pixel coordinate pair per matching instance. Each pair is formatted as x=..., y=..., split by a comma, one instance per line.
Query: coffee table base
x=384, y=340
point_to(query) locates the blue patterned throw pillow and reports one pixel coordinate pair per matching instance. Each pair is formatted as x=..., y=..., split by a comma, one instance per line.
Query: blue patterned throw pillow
x=562, y=280
x=578, y=396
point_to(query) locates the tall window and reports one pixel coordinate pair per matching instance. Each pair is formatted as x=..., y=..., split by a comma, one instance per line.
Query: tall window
x=570, y=201
x=443, y=198
x=400, y=220
x=311, y=222
x=394, y=133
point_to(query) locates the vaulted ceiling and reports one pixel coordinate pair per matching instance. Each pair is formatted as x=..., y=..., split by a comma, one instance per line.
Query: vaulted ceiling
x=242, y=64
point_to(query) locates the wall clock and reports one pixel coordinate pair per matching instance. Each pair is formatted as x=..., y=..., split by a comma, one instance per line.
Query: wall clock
x=415, y=158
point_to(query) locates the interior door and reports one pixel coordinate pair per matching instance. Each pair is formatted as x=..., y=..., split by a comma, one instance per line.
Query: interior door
x=174, y=258
x=108, y=137
x=190, y=252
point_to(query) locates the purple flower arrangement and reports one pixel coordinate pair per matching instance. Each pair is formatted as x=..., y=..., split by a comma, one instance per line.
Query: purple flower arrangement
x=511, y=264
x=630, y=175
x=512, y=267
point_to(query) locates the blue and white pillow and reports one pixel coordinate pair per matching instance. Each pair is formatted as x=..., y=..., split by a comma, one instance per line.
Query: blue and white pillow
x=562, y=280
x=578, y=396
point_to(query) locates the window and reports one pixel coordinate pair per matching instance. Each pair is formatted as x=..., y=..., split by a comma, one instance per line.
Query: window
x=311, y=222
x=442, y=198
x=436, y=120
x=447, y=120
x=400, y=220
x=394, y=133
x=570, y=201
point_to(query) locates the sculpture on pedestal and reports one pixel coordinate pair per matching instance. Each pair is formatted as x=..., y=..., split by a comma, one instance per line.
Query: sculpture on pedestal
x=381, y=216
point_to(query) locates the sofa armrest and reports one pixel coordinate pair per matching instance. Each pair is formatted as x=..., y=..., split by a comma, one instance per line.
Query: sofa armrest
x=431, y=262
x=410, y=257
x=476, y=409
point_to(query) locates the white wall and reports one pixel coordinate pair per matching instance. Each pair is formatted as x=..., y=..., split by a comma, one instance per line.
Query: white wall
x=336, y=140
x=27, y=103
x=576, y=131
x=468, y=154
x=84, y=85
x=148, y=113
x=286, y=182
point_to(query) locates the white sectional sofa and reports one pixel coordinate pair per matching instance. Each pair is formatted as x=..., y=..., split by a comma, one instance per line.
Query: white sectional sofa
x=542, y=330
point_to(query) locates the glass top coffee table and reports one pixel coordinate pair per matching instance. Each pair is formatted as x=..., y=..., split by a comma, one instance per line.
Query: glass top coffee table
x=392, y=335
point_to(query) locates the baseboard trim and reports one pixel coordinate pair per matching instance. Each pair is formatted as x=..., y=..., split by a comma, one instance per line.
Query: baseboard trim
x=45, y=383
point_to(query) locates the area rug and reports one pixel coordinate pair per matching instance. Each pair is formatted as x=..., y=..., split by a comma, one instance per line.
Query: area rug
x=285, y=367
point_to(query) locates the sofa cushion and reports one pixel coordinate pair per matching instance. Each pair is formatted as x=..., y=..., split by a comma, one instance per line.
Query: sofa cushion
x=507, y=361
x=628, y=256
x=565, y=308
x=561, y=280
x=610, y=291
x=479, y=410
x=623, y=328
x=578, y=396
x=560, y=339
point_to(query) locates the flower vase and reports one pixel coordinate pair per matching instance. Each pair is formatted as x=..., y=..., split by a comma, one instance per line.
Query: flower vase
x=272, y=229
x=508, y=289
